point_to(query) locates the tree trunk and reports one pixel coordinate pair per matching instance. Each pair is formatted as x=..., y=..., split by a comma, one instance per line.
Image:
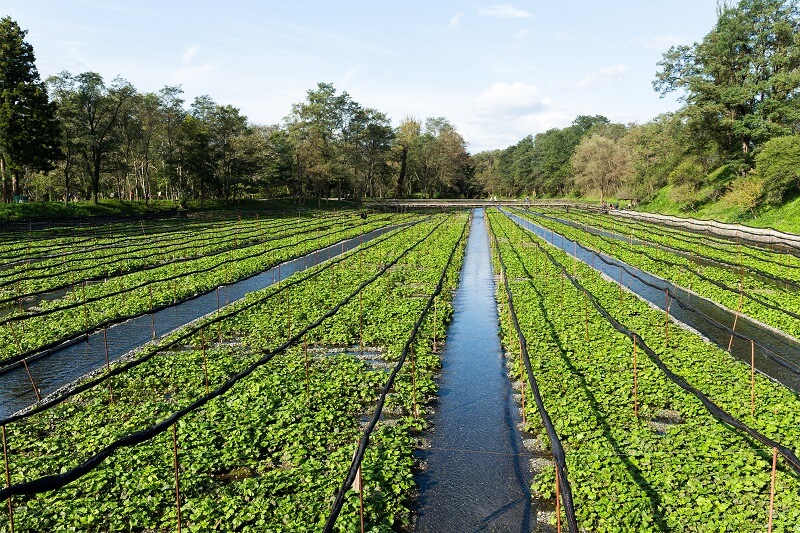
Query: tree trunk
x=95, y=177
x=4, y=181
x=401, y=179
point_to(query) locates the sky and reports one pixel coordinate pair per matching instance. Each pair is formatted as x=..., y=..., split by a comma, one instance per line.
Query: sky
x=497, y=71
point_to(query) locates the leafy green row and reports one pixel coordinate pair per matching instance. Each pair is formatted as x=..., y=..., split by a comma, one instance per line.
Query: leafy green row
x=160, y=287
x=266, y=456
x=671, y=468
x=704, y=281
x=66, y=274
x=780, y=265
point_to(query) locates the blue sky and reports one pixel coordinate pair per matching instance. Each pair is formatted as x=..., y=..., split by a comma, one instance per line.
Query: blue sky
x=498, y=71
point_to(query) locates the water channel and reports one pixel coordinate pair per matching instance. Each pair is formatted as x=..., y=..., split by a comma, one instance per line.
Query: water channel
x=478, y=475
x=776, y=342
x=698, y=260
x=66, y=364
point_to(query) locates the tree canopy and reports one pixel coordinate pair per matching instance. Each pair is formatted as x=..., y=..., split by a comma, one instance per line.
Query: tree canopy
x=28, y=125
x=740, y=83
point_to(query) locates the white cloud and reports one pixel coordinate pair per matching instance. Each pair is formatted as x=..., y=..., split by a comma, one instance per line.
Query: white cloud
x=504, y=99
x=504, y=11
x=189, y=74
x=455, y=22
x=506, y=112
x=610, y=74
x=350, y=75
x=188, y=54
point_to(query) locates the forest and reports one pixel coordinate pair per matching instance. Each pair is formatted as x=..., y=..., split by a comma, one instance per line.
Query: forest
x=735, y=138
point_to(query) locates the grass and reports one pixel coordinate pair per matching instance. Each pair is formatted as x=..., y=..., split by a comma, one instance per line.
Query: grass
x=783, y=218
x=42, y=211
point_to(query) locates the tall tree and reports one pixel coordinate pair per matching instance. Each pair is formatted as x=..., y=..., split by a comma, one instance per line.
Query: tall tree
x=407, y=137
x=93, y=111
x=317, y=129
x=600, y=164
x=28, y=126
x=740, y=83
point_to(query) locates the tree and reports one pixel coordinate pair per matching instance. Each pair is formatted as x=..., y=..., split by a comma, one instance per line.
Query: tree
x=29, y=132
x=445, y=161
x=600, y=163
x=778, y=167
x=172, y=117
x=740, y=84
x=407, y=137
x=655, y=148
x=370, y=138
x=92, y=111
x=316, y=128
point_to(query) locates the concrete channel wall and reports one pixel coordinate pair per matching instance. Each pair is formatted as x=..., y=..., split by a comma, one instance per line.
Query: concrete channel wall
x=759, y=235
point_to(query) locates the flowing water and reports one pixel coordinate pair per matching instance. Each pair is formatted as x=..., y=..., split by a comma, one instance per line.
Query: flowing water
x=478, y=475
x=775, y=342
x=72, y=360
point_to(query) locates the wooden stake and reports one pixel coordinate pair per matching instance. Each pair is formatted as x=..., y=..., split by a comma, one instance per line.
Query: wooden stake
x=635, y=383
x=360, y=324
x=205, y=359
x=586, y=316
x=522, y=380
x=8, y=481
x=558, y=504
x=752, y=377
x=177, y=483
x=30, y=377
x=414, y=380
x=153, y=316
x=434, y=325
x=772, y=489
x=666, y=317
x=735, y=319
x=288, y=315
x=108, y=366
x=305, y=351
